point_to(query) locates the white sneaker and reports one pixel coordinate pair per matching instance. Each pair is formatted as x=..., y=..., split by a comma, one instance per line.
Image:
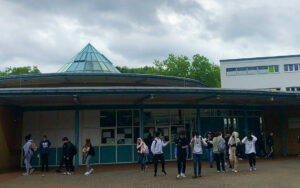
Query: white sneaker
x=25, y=174
x=235, y=171
x=254, y=168
x=69, y=173
x=91, y=170
x=183, y=175
x=65, y=173
x=87, y=173
x=178, y=176
x=218, y=171
x=251, y=169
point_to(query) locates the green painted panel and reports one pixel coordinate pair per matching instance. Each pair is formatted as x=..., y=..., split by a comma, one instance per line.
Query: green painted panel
x=135, y=153
x=124, y=153
x=167, y=152
x=95, y=159
x=59, y=156
x=107, y=154
x=51, y=157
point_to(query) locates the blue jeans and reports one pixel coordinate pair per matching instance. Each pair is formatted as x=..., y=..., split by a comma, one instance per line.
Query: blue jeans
x=141, y=160
x=197, y=159
x=210, y=157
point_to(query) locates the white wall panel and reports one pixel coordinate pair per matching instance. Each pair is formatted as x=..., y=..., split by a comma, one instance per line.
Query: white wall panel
x=93, y=134
x=66, y=119
x=91, y=118
x=48, y=119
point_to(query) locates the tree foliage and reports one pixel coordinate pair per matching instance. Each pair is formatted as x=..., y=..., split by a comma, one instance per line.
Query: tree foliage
x=20, y=70
x=199, y=68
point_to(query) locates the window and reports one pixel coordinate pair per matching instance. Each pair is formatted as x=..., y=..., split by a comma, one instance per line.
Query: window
x=276, y=67
x=296, y=67
x=291, y=67
x=107, y=118
x=124, y=118
x=286, y=68
x=241, y=71
x=252, y=70
x=108, y=136
x=124, y=136
x=231, y=71
x=263, y=69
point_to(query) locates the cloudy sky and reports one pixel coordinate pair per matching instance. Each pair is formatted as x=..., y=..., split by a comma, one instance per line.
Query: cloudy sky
x=47, y=33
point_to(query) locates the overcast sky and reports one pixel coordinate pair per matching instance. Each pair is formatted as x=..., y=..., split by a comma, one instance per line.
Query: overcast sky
x=134, y=33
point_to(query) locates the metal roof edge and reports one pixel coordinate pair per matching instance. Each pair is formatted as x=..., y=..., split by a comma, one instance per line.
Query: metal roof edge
x=259, y=58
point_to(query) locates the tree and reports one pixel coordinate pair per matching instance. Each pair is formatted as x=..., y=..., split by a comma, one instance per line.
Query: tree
x=20, y=70
x=200, y=68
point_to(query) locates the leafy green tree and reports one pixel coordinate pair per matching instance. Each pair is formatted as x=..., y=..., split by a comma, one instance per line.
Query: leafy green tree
x=200, y=68
x=20, y=70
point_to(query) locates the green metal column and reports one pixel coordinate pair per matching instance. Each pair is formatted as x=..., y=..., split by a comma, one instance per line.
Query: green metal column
x=77, y=137
x=283, y=132
x=198, y=121
x=142, y=122
x=246, y=128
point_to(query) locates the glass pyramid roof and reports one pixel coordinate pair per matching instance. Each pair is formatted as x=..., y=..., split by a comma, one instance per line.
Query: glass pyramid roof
x=88, y=60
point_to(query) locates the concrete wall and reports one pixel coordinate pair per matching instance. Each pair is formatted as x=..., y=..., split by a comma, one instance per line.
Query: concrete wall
x=261, y=81
x=10, y=138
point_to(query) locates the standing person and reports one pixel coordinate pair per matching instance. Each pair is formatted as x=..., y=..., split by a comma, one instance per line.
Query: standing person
x=69, y=151
x=218, y=149
x=142, y=150
x=233, y=143
x=148, y=142
x=88, y=152
x=210, y=156
x=181, y=144
x=227, y=152
x=261, y=152
x=28, y=153
x=270, y=143
x=44, y=153
x=157, y=150
x=250, y=151
x=196, y=144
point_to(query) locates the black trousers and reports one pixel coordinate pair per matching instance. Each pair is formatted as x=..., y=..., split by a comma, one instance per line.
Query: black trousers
x=160, y=157
x=251, y=159
x=44, y=158
x=69, y=164
x=220, y=160
x=181, y=163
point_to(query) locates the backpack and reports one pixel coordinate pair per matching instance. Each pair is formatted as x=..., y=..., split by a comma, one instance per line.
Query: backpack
x=74, y=150
x=221, y=146
x=92, y=151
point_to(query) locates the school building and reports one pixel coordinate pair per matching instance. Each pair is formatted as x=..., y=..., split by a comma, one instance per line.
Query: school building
x=89, y=97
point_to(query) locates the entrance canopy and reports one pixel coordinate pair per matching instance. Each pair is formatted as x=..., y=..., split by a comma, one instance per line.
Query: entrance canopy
x=93, y=96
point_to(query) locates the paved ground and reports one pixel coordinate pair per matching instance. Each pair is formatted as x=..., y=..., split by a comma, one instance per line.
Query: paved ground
x=270, y=173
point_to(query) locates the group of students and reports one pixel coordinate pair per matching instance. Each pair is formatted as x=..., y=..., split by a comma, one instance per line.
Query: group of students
x=217, y=149
x=68, y=153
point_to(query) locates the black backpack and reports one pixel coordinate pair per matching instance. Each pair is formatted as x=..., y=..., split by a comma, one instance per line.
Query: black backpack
x=92, y=151
x=74, y=150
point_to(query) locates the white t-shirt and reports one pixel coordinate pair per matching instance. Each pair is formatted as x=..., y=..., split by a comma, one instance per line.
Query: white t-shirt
x=250, y=145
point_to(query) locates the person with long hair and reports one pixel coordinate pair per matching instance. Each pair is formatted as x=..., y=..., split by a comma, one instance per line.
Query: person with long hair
x=88, y=152
x=196, y=143
x=142, y=150
x=233, y=144
x=210, y=154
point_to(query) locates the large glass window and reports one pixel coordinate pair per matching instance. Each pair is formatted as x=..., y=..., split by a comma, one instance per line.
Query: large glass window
x=108, y=118
x=124, y=136
x=108, y=136
x=124, y=118
x=136, y=118
x=177, y=117
x=252, y=70
x=148, y=118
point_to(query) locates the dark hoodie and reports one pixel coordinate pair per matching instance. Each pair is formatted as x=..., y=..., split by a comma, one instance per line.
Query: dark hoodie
x=68, y=149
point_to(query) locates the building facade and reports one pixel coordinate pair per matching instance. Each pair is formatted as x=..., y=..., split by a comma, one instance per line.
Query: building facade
x=278, y=73
x=88, y=98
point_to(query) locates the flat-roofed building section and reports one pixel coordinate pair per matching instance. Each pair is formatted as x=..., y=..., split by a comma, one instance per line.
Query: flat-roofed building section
x=278, y=73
